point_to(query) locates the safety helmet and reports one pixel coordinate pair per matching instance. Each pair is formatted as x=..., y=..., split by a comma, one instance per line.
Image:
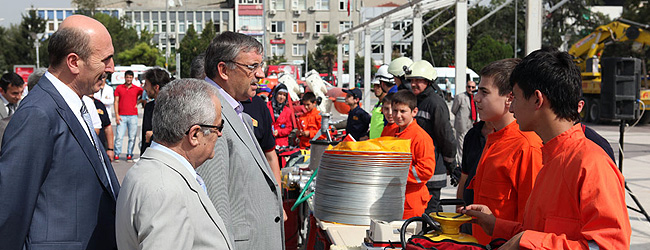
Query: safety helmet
x=396, y=67
x=383, y=75
x=421, y=69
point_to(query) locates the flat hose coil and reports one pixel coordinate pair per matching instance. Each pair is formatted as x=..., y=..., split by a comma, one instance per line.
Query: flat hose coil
x=353, y=188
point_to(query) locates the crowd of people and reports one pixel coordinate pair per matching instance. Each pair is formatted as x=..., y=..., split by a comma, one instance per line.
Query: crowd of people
x=209, y=174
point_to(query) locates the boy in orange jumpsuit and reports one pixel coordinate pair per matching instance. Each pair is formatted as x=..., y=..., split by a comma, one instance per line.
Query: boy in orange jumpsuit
x=310, y=120
x=578, y=201
x=511, y=158
x=390, y=127
x=423, y=162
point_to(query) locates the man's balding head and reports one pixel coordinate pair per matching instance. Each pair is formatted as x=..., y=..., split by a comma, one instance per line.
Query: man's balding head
x=74, y=36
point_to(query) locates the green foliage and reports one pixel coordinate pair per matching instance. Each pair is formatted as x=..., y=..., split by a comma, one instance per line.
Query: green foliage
x=124, y=37
x=323, y=58
x=359, y=66
x=192, y=45
x=276, y=60
x=487, y=50
x=142, y=53
x=87, y=7
x=18, y=43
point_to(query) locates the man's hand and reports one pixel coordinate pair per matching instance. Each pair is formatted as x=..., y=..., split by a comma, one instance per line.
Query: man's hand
x=275, y=133
x=453, y=171
x=284, y=215
x=118, y=119
x=513, y=243
x=482, y=216
x=111, y=155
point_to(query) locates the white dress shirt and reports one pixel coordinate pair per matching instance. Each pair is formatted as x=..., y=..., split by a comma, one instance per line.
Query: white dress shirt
x=71, y=98
x=176, y=156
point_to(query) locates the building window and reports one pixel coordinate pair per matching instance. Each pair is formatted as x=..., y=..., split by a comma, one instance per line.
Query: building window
x=251, y=22
x=323, y=4
x=377, y=48
x=41, y=14
x=343, y=4
x=277, y=4
x=346, y=49
x=298, y=4
x=277, y=26
x=401, y=25
x=250, y=1
x=277, y=49
x=298, y=49
x=297, y=26
x=345, y=25
x=322, y=27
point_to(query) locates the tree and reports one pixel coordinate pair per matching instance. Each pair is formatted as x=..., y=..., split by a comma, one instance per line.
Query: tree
x=124, y=38
x=487, y=50
x=87, y=7
x=322, y=59
x=18, y=42
x=189, y=48
x=276, y=60
x=142, y=53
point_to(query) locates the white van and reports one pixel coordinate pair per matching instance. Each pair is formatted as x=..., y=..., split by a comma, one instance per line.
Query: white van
x=449, y=74
x=117, y=77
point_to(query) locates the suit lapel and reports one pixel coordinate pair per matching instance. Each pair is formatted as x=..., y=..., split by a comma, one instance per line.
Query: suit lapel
x=3, y=111
x=172, y=163
x=80, y=136
x=242, y=131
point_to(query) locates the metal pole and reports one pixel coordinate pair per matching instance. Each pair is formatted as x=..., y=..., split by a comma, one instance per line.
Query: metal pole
x=388, y=28
x=533, y=25
x=461, y=44
x=339, y=64
x=351, y=63
x=417, y=33
x=366, y=69
x=516, y=23
x=38, y=60
x=306, y=58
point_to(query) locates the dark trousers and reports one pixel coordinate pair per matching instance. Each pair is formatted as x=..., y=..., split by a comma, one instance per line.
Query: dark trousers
x=434, y=203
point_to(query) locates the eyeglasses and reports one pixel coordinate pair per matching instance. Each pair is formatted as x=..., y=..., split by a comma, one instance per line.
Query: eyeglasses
x=253, y=67
x=471, y=87
x=218, y=127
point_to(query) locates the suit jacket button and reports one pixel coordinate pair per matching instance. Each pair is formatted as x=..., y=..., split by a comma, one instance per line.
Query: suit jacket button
x=277, y=219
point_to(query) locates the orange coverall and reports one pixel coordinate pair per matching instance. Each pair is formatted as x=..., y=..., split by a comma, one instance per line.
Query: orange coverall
x=506, y=174
x=423, y=163
x=309, y=121
x=578, y=200
x=390, y=129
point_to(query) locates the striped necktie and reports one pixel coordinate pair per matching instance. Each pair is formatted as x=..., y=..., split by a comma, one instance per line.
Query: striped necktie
x=94, y=139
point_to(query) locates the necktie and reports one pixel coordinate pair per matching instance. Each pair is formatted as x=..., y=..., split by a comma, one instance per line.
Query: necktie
x=94, y=139
x=10, y=109
x=471, y=101
x=200, y=180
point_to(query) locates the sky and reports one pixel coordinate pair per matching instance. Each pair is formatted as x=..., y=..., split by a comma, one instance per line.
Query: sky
x=11, y=10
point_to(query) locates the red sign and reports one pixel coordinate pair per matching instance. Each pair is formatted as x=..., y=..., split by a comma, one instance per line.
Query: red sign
x=277, y=41
x=24, y=71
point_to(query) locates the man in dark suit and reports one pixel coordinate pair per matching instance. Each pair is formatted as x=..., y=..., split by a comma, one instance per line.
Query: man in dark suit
x=57, y=185
x=239, y=180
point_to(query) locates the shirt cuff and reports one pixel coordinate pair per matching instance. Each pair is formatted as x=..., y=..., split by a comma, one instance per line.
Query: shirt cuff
x=530, y=239
x=505, y=229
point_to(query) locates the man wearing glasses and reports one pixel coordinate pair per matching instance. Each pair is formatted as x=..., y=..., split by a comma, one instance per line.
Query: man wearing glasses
x=465, y=115
x=163, y=204
x=239, y=180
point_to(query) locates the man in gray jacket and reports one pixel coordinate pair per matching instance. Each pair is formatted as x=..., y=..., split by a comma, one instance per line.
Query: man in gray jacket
x=465, y=114
x=239, y=179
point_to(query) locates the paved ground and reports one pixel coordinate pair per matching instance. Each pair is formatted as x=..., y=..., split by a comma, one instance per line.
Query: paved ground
x=636, y=169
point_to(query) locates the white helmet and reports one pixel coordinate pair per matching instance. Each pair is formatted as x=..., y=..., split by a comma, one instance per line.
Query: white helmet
x=421, y=69
x=396, y=67
x=383, y=75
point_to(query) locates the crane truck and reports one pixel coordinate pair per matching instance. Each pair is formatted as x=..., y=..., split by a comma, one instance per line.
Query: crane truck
x=587, y=53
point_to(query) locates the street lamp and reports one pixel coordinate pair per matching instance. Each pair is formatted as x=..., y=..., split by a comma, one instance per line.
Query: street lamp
x=306, y=58
x=37, y=43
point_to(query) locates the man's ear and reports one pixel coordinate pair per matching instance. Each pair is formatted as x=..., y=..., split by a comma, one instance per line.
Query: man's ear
x=414, y=112
x=509, y=98
x=72, y=61
x=222, y=70
x=193, y=136
x=539, y=99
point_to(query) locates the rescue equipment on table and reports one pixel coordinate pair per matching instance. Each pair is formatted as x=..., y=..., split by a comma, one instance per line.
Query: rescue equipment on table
x=362, y=180
x=441, y=231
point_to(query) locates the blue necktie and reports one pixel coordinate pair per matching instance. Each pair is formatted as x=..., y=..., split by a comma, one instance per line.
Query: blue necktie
x=94, y=139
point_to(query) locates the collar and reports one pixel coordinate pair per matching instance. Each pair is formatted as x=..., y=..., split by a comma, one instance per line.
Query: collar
x=4, y=100
x=556, y=145
x=239, y=108
x=69, y=96
x=408, y=128
x=181, y=159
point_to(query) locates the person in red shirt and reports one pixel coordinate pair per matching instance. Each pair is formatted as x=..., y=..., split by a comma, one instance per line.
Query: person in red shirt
x=423, y=161
x=309, y=122
x=281, y=115
x=126, y=114
x=578, y=201
x=511, y=158
x=390, y=128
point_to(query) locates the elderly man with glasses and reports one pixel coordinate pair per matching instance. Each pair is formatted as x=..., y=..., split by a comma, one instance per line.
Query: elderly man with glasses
x=465, y=114
x=239, y=180
x=164, y=204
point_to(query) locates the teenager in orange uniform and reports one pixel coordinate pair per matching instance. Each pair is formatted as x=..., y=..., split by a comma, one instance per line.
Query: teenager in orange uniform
x=423, y=161
x=390, y=127
x=309, y=121
x=511, y=158
x=578, y=201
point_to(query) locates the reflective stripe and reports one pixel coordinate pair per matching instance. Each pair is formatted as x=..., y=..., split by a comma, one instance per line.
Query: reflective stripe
x=415, y=174
x=592, y=245
x=439, y=177
x=423, y=114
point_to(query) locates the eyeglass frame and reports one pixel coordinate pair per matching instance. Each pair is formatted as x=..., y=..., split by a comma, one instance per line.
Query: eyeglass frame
x=253, y=67
x=218, y=127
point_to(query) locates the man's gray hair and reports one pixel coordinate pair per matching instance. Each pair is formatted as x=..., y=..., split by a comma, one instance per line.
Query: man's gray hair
x=65, y=41
x=181, y=104
x=226, y=47
x=197, y=68
x=33, y=79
